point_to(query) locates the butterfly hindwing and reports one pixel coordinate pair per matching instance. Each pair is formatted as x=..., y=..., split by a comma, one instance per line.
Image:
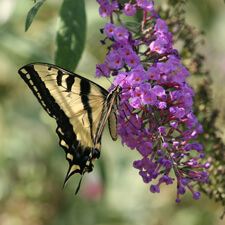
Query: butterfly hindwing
x=80, y=107
x=111, y=106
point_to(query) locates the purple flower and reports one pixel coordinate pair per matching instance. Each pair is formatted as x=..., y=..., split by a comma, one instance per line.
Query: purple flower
x=136, y=92
x=137, y=164
x=207, y=165
x=152, y=74
x=149, y=98
x=196, y=146
x=115, y=60
x=132, y=60
x=154, y=189
x=192, y=120
x=131, y=142
x=160, y=91
x=179, y=78
x=167, y=164
x=144, y=4
x=145, y=87
x=174, y=125
x=162, y=130
x=161, y=26
x=181, y=190
x=166, y=179
x=188, y=102
x=165, y=145
x=196, y=195
x=102, y=2
x=118, y=80
x=102, y=70
x=125, y=51
x=185, y=181
x=161, y=105
x=176, y=143
x=155, y=115
x=121, y=34
x=105, y=10
x=136, y=102
x=158, y=46
x=177, y=112
x=185, y=73
x=109, y=29
x=199, y=128
x=164, y=68
x=188, y=89
x=129, y=10
x=145, y=149
x=145, y=176
x=136, y=77
x=187, y=147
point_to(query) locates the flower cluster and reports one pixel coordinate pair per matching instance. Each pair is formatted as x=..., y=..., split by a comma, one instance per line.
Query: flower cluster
x=155, y=116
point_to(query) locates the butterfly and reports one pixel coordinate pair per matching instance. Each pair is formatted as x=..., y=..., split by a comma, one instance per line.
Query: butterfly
x=81, y=109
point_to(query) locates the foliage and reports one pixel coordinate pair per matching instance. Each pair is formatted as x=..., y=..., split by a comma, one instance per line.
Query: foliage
x=71, y=34
x=31, y=14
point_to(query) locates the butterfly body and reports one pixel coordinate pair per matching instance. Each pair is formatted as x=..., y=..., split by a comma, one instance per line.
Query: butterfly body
x=81, y=109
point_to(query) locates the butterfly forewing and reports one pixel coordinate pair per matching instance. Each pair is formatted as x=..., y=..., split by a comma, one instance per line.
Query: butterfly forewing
x=80, y=107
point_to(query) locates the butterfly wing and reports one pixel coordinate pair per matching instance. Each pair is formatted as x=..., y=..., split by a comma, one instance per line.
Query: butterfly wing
x=78, y=106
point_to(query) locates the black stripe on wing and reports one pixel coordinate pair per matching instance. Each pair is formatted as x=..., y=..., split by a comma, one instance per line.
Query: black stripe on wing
x=84, y=92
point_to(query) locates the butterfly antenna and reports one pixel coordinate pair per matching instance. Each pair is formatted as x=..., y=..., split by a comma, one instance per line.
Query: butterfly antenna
x=104, y=75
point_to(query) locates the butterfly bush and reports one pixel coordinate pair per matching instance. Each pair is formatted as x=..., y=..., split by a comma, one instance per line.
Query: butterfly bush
x=155, y=116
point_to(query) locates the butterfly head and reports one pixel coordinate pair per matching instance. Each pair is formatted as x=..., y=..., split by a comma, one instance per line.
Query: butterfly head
x=119, y=89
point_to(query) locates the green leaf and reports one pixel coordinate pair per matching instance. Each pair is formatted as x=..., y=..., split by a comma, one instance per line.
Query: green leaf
x=31, y=14
x=71, y=34
x=133, y=24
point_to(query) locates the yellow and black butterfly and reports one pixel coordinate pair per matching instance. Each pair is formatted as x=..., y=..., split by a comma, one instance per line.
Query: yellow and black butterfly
x=81, y=109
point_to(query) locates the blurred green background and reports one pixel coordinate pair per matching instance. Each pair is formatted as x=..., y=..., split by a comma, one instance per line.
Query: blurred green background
x=33, y=166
